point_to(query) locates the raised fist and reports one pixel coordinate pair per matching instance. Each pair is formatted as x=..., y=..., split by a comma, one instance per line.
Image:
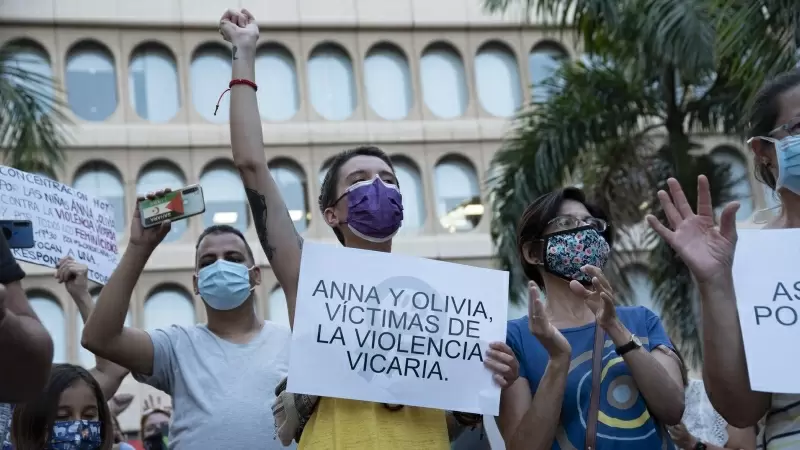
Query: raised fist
x=239, y=27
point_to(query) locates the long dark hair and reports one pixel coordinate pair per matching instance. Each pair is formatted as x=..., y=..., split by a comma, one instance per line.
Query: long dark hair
x=32, y=422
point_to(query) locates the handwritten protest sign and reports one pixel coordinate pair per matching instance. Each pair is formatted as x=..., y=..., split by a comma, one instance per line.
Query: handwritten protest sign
x=396, y=329
x=768, y=298
x=65, y=222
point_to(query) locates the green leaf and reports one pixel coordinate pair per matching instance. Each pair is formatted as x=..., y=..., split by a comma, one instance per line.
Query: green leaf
x=33, y=127
x=662, y=73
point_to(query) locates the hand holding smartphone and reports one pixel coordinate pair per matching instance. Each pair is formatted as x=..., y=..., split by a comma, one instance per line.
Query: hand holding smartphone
x=174, y=205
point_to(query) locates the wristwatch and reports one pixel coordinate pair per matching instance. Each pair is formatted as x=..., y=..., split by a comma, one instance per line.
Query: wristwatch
x=700, y=446
x=633, y=344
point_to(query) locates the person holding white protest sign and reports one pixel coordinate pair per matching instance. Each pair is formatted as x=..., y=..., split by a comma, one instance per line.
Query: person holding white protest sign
x=218, y=373
x=361, y=202
x=708, y=251
x=578, y=389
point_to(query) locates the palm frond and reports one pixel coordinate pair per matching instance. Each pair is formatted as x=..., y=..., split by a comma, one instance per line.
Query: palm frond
x=33, y=127
x=594, y=111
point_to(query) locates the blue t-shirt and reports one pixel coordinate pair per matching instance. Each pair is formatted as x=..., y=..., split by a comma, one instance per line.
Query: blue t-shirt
x=624, y=423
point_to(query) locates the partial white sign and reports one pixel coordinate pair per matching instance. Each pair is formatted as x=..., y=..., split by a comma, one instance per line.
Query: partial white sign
x=768, y=297
x=66, y=222
x=389, y=328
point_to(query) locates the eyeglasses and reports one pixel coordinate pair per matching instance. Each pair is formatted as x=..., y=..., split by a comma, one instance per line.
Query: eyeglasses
x=792, y=127
x=569, y=222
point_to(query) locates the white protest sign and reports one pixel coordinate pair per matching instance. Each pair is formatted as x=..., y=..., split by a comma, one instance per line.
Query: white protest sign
x=387, y=328
x=768, y=298
x=66, y=222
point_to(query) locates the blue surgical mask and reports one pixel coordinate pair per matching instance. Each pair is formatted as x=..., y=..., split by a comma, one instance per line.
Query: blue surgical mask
x=788, y=152
x=76, y=435
x=224, y=285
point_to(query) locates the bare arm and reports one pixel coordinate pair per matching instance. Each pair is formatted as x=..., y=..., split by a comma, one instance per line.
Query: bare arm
x=26, y=349
x=657, y=375
x=527, y=423
x=105, y=333
x=107, y=374
x=725, y=367
x=276, y=232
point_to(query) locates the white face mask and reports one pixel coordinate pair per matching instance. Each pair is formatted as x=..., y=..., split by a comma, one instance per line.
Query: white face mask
x=224, y=285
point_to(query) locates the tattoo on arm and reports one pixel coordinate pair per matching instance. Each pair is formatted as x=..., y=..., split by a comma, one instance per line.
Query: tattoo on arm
x=235, y=49
x=258, y=205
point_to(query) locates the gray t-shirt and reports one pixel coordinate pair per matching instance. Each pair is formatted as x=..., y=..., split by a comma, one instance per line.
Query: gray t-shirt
x=222, y=392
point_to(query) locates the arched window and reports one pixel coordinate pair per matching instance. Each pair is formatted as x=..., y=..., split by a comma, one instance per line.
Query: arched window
x=167, y=306
x=104, y=181
x=153, y=83
x=444, y=84
x=50, y=313
x=739, y=178
x=458, y=195
x=497, y=80
x=276, y=76
x=331, y=84
x=641, y=286
x=388, y=82
x=278, y=311
x=210, y=74
x=91, y=81
x=413, y=196
x=543, y=61
x=29, y=57
x=87, y=358
x=226, y=202
x=293, y=186
x=161, y=175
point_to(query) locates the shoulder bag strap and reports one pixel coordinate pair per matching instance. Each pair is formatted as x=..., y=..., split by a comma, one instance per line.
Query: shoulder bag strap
x=594, y=399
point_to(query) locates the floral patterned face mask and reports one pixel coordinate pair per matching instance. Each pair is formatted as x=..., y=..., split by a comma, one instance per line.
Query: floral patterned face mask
x=569, y=250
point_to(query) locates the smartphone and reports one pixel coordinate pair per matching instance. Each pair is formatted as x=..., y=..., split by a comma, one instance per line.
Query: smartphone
x=175, y=205
x=18, y=233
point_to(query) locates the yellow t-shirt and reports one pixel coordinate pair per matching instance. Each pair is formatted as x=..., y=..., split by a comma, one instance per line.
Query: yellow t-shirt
x=339, y=424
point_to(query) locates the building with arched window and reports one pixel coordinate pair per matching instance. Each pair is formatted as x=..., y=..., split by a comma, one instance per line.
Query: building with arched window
x=432, y=83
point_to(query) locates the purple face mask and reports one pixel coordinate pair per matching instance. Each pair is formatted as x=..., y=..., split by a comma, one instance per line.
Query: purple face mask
x=374, y=210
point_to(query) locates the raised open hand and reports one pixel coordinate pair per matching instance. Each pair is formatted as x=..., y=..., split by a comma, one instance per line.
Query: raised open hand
x=600, y=299
x=239, y=28
x=706, y=249
x=148, y=238
x=539, y=325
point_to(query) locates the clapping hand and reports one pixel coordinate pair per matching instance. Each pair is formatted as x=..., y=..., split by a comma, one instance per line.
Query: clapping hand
x=600, y=299
x=706, y=249
x=539, y=325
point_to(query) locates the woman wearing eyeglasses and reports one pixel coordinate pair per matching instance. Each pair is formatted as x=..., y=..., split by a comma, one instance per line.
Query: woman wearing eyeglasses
x=563, y=243
x=708, y=251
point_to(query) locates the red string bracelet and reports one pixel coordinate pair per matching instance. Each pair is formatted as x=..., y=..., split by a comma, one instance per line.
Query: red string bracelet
x=233, y=83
